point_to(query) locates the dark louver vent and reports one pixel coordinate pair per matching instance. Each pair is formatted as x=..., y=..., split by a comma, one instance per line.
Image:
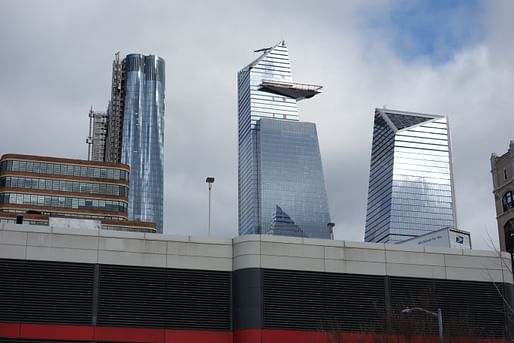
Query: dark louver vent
x=58, y=292
x=44, y=292
x=158, y=297
x=11, y=289
x=322, y=301
x=132, y=296
x=198, y=299
x=468, y=308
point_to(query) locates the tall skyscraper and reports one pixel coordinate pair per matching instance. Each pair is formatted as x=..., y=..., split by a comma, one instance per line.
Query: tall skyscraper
x=411, y=183
x=135, y=132
x=281, y=183
x=502, y=170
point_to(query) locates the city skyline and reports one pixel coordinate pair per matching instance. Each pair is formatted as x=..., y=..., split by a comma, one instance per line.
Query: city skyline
x=365, y=54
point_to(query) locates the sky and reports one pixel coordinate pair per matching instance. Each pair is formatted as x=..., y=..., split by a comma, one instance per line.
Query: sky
x=442, y=57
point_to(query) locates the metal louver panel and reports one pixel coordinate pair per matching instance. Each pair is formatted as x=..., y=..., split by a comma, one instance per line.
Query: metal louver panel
x=469, y=308
x=321, y=301
x=131, y=296
x=45, y=292
x=11, y=289
x=198, y=299
x=355, y=302
x=158, y=297
x=57, y=292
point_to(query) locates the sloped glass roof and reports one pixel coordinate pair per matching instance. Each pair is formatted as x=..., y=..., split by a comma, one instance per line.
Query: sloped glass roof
x=401, y=121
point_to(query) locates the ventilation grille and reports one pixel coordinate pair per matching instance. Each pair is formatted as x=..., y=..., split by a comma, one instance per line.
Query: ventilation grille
x=158, y=297
x=44, y=292
x=11, y=289
x=132, y=296
x=469, y=308
x=321, y=301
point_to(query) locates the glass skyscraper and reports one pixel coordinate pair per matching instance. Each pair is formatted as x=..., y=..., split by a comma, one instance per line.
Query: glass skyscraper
x=411, y=183
x=281, y=184
x=135, y=132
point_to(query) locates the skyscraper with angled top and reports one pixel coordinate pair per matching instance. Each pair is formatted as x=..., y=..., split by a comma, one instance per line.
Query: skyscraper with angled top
x=411, y=181
x=281, y=183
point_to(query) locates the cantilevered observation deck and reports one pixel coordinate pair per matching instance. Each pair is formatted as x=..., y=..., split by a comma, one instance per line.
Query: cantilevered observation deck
x=293, y=90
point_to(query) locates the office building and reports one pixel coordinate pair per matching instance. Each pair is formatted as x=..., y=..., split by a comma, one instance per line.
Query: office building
x=410, y=184
x=34, y=189
x=281, y=184
x=98, y=286
x=135, y=132
x=503, y=190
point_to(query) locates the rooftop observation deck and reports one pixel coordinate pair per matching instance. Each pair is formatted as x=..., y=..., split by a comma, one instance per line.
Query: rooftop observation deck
x=293, y=90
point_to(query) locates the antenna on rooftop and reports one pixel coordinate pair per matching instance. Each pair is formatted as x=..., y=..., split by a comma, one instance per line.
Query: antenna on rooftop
x=263, y=49
x=89, y=139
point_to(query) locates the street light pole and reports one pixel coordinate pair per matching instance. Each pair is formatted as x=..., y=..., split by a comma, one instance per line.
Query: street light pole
x=438, y=315
x=440, y=321
x=330, y=227
x=210, y=181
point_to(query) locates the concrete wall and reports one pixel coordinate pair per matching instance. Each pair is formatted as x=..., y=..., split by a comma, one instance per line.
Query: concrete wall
x=251, y=251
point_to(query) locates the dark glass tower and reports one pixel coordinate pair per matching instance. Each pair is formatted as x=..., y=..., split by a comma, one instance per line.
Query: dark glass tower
x=135, y=134
x=281, y=184
x=411, y=183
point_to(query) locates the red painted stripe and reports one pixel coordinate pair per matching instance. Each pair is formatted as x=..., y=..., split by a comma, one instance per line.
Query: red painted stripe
x=198, y=336
x=149, y=335
x=58, y=332
x=296, y=336
x=8, y=330
x=110, y=334
x=117, y=334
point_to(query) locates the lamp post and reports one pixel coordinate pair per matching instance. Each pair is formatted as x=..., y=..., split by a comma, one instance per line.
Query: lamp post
x=438, y=315
x=210, y=181
x=330, y=227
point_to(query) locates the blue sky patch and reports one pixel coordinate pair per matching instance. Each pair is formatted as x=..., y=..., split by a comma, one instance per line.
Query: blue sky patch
x=435, y=29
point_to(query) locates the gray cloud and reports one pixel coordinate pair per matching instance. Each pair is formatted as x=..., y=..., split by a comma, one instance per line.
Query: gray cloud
x=57, y=59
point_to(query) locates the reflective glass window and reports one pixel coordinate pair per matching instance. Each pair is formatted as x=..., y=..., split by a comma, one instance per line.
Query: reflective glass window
x=508, y=200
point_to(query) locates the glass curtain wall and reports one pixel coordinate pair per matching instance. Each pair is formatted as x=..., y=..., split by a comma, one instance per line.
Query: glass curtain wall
x=143, y=136
x=271, y=142
x=411, y=184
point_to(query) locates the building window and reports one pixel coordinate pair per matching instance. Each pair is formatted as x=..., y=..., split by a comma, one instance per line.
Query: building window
x=505, y=174
x=508, y=230
x=508, y=200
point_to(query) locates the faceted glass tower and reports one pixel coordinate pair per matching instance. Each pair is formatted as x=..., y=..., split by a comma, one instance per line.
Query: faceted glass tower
x=281, y=184
x=411, y=183
x=135, y=133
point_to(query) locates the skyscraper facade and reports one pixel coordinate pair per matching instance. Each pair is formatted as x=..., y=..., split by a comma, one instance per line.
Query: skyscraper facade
x=281, y=184
x=135, y=132
x=411, y=183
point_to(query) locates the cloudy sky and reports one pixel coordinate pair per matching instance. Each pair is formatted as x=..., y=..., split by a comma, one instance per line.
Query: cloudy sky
x=444, y=57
